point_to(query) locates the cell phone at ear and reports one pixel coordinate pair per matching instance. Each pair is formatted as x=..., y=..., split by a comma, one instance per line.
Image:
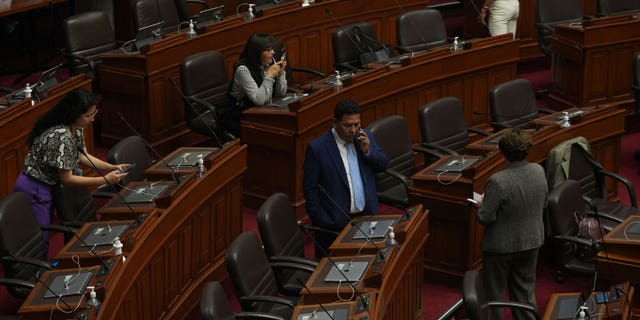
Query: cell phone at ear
x=283, y=55
x=129, y=168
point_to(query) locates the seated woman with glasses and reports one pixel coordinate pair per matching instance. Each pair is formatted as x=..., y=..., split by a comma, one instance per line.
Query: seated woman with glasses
x=56, y=151
x=257, y=78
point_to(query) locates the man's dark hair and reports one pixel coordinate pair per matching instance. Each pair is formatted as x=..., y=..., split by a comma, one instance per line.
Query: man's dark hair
x=345, y=107
x=515, y=144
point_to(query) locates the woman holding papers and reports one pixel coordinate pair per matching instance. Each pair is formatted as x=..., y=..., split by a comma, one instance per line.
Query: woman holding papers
x=257, y=77
x=56, y=151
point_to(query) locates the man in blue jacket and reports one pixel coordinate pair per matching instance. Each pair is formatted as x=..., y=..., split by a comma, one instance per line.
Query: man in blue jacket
x=339, y=174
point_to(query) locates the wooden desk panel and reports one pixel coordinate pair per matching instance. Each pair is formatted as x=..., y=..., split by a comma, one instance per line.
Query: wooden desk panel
x=278, y=137
x=592, y=63
x=454, y=244
x=17, y=121
x=171, y=262
x=136, y=84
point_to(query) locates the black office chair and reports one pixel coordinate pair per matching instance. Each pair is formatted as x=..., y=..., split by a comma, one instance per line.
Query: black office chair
x=74, y=205
x=513, y=104
x=95, y=5
x=443, y=128
x=420, y=30
x=204, y=80
x=147, y=12
x=565, y=202
x=215, y=306
x=185, y=13
x=87, y=36
x=132, y=149
x=615, y=7
x=552, y=12
x=350, y=42
x=22, y=247
x=15, y=283
x=254, y=279
x=392, y=136
x=476, y=303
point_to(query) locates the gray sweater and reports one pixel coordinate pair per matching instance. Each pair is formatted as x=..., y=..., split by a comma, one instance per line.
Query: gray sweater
x=244, y=85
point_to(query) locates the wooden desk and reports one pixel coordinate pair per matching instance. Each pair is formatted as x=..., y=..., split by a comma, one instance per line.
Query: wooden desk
x=278, y=137
x=592, y=63
x=37, y=307
x=614, y=310
x=174, y=258
x=454, y=244
x=394, y=286
x=16, y=123
x=619, y=260
x=338, y=309
x=136, y=84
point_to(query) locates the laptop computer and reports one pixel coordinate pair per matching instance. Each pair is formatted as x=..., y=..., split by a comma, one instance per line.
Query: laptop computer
x=209, y=16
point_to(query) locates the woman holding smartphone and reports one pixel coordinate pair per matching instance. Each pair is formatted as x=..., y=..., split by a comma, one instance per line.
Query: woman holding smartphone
x=56, y=151
x=258, y=76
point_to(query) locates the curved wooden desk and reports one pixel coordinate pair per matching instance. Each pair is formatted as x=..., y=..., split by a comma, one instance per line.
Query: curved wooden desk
x=278, y=137
x=136, y=84
x=169, y=264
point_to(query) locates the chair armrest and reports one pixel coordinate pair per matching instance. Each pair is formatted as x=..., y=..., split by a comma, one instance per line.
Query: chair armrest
x=318, y=229
x=546, y=111
x=269, y=299
x=577, y=240
x=627, y=184
x=298, y=260
x=309, y=70
x=439, y=148
x=256, y=315
x=399, y=176
x=205, y=104
x=292, y=266
x=514, y=305
x=90, y=63
x=402, y=49
x=605, y=216
x=59, y=228
x=429, y=152
x=203, y=3
x=478, y=131
x=25, y=260
x=10, y=282
x=346, y=66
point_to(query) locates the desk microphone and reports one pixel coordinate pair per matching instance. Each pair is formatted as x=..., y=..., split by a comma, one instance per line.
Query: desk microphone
x=188, y=101
x=313, y=314
x=138, y=219
x=105, y=267
x=347, y=32
x=55, y=294
x=380, y=255
x=135, y=132
x=335, y=265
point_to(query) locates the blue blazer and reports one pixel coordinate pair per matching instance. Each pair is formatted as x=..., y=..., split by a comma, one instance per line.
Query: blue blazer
x=323, y=167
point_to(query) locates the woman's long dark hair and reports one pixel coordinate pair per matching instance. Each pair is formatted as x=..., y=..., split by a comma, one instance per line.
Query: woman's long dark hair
x=66, y=112
x=251, y=56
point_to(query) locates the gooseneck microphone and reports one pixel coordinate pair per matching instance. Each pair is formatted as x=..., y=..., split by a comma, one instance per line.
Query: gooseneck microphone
x=135, y=132
x=313, y=314
x=188, y=101
x=138, y=219
x=335, y=265
x=105, y=267
x=381, y=256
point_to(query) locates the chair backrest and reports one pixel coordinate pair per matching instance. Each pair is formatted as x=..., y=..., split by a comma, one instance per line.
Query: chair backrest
x=346, y=49
x=550, y=12
x=250, y=271
x=613, y=7
x=214, y=304
x=147, y=12
x=278, y=227
x=473, y=295
x=392, y=136
x=513, y=103
x=420, y=30
x=204, y=76
x=132, y=149
x=636, y=77
x=20, y=236
x=442, y=123
x=564, y=201
x=584, y=169
x=88, y=35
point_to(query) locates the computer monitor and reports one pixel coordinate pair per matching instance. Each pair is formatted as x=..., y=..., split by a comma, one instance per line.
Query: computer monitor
x=48, y=79
x=209, y=16
x=148, y=34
